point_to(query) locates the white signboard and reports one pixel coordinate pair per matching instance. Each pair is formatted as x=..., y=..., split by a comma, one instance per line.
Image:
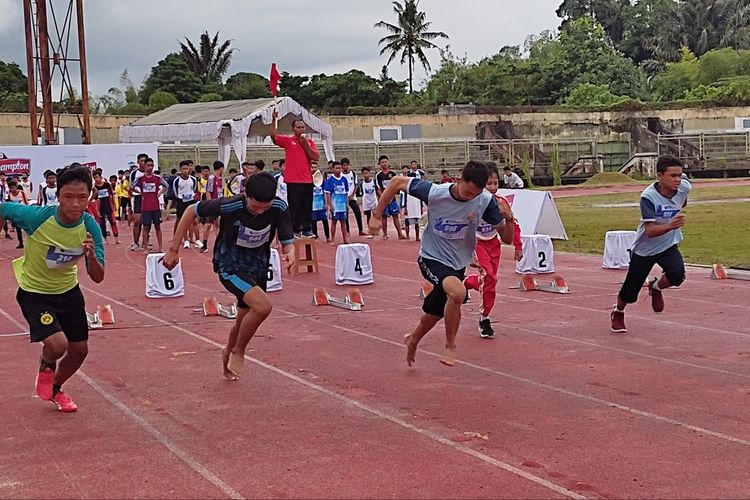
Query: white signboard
x=536, y=212
x=109, y=157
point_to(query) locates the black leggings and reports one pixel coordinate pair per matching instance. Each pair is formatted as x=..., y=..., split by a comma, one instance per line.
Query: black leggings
x=326, y=229
x=671, y=262
x=300, y=197
x=357, y=215
x=105, y=214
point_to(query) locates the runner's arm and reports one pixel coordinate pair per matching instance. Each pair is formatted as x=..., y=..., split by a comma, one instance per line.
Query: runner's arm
x=93, y=249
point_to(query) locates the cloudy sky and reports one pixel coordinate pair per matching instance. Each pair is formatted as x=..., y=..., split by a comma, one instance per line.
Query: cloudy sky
x=301, y=36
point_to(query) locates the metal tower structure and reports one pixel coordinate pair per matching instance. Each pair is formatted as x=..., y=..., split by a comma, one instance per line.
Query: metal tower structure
x=48, y=55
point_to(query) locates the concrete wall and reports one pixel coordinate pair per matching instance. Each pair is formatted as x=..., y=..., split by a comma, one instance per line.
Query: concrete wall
x=105, y=129
x=14, y=127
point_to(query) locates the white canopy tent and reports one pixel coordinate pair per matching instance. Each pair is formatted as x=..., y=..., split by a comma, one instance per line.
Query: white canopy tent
x=230, y=123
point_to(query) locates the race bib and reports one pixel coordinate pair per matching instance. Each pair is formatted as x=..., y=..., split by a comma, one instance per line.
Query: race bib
x=251, y=238
x=451, y=229
x=187, y=197
x=149, y=188
x=339, y=203
x=103, y=193
x=62, y=257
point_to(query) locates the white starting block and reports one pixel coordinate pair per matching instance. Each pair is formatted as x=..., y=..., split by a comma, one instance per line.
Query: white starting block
x=353, y=265
x=719, y=272
x=557, y=285
x=103, y=316
x=538, y=255
x=211, y=307
x=617, y=248
x=352, y=302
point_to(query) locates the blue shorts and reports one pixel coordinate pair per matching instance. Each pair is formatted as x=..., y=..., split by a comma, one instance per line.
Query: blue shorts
x=392, y=209
x=339, y=216
x=319, y=215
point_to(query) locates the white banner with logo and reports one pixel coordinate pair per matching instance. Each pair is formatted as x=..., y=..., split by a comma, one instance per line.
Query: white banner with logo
x=536, y=212
x=35, y=160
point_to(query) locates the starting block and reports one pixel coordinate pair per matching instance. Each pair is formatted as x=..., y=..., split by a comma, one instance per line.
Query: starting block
x=719, y=272
x=425, y=290
x=557, y=285
x=106, y=315
x=352, y=302
x=211, y=307
x=94, y=321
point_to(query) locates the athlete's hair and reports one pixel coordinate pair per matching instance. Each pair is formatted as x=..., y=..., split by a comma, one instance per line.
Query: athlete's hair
x=218, y=165
x=141, y=155
x=476, y=172
x=366, y=169
x=335, y=163
x=96, y=172
x=260, y=165
x=295, y=120
x=185, y=163
x=245, y=164
x=120, y=172
x=506, y=169
x=75, y=174
x=173, y=171
x=382, y=157
x=12, y=183
x=148, y=160
x=232, y=170
x=666, y=161
x=345, y=161
x=493, y=169
x=282, y=163
x=49, y=173
x=261, y=187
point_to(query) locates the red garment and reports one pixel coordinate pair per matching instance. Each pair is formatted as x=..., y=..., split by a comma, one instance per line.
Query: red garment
x=297, y=166
x=93, y=209
x=150, y=186
x=488, y=254
x=273, y=81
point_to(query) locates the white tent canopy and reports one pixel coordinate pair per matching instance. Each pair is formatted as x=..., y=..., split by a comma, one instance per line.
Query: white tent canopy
x=229, y=123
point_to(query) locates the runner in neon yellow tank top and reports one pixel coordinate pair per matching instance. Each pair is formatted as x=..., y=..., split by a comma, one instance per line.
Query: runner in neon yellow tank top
x=47, y=275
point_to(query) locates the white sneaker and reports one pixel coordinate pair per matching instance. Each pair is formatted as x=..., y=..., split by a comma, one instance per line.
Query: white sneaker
x=198, y=244
x=186, y=244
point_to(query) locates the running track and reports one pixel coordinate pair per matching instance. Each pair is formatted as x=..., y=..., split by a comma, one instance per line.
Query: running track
x=555, y=406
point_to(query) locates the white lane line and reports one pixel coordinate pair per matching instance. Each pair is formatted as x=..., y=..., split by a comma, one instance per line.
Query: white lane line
x=161, y=438
x=201, y=469
x=366, y=408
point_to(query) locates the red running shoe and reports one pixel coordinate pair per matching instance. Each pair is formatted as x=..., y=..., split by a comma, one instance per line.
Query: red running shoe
x=43, y=384
x=63, y=402
x=618, y=321
x=657, y=300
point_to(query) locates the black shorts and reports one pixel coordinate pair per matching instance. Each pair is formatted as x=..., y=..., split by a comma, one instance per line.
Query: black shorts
x=49, y=314
x=238, y=284
x=435, y=272
x=671, y=262
x=136, y=204
x=124, y=203
x=151, y=217
x=181, y=206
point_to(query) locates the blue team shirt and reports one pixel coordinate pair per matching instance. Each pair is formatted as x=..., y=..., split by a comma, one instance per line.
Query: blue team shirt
x=339, y=191
x=319, y=200
x=450, y=236
x=657, y=208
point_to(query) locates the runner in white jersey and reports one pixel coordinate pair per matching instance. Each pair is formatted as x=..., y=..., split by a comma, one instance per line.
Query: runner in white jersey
x=351, y=178
x=369, y=194
x=48, y=192
x=185, y=189
x=136, y=174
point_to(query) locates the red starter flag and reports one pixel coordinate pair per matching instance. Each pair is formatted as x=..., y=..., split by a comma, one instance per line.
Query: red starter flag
x=274, y=80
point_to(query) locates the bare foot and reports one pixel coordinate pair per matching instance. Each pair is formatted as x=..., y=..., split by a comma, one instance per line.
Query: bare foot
x=235, y=363
x=411, y=349
x=403, y=238
x=449, y=357
x=385, y=236
x=228, y=374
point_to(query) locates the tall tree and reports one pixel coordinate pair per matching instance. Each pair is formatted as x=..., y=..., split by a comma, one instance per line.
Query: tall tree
x=210, y=60
x=172, y=75
x=409, y=37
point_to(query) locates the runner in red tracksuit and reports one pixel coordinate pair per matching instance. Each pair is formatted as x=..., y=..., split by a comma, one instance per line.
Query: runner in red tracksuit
x=488, y=256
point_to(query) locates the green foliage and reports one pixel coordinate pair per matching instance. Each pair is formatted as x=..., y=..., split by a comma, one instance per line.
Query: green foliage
x=210, y=60
x=211, y=97
x=526, y=168
x=678, y=78
x=160, y=100
x=172, y=75
x=246, y=86
x=353, y=88
x=733, y=91
x=13, y=88
x=588, y=94
x=556, y=173
x=14, y=102
x=409, y=37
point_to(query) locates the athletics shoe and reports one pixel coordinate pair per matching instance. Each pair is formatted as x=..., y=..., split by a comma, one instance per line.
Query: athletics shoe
x=43, y=383
x=618, y=321
x=186, y=244
x=657, y=300
x=63, y=402
x=485, y=330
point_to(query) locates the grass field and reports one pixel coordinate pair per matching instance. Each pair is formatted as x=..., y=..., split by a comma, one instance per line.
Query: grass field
x=713, y=233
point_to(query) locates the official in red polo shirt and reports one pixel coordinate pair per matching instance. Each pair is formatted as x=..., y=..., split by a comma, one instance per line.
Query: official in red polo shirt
x=300, y=152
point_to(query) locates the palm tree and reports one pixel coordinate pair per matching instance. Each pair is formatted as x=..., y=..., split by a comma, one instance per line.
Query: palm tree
x=409, y=36
x=211, y=60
